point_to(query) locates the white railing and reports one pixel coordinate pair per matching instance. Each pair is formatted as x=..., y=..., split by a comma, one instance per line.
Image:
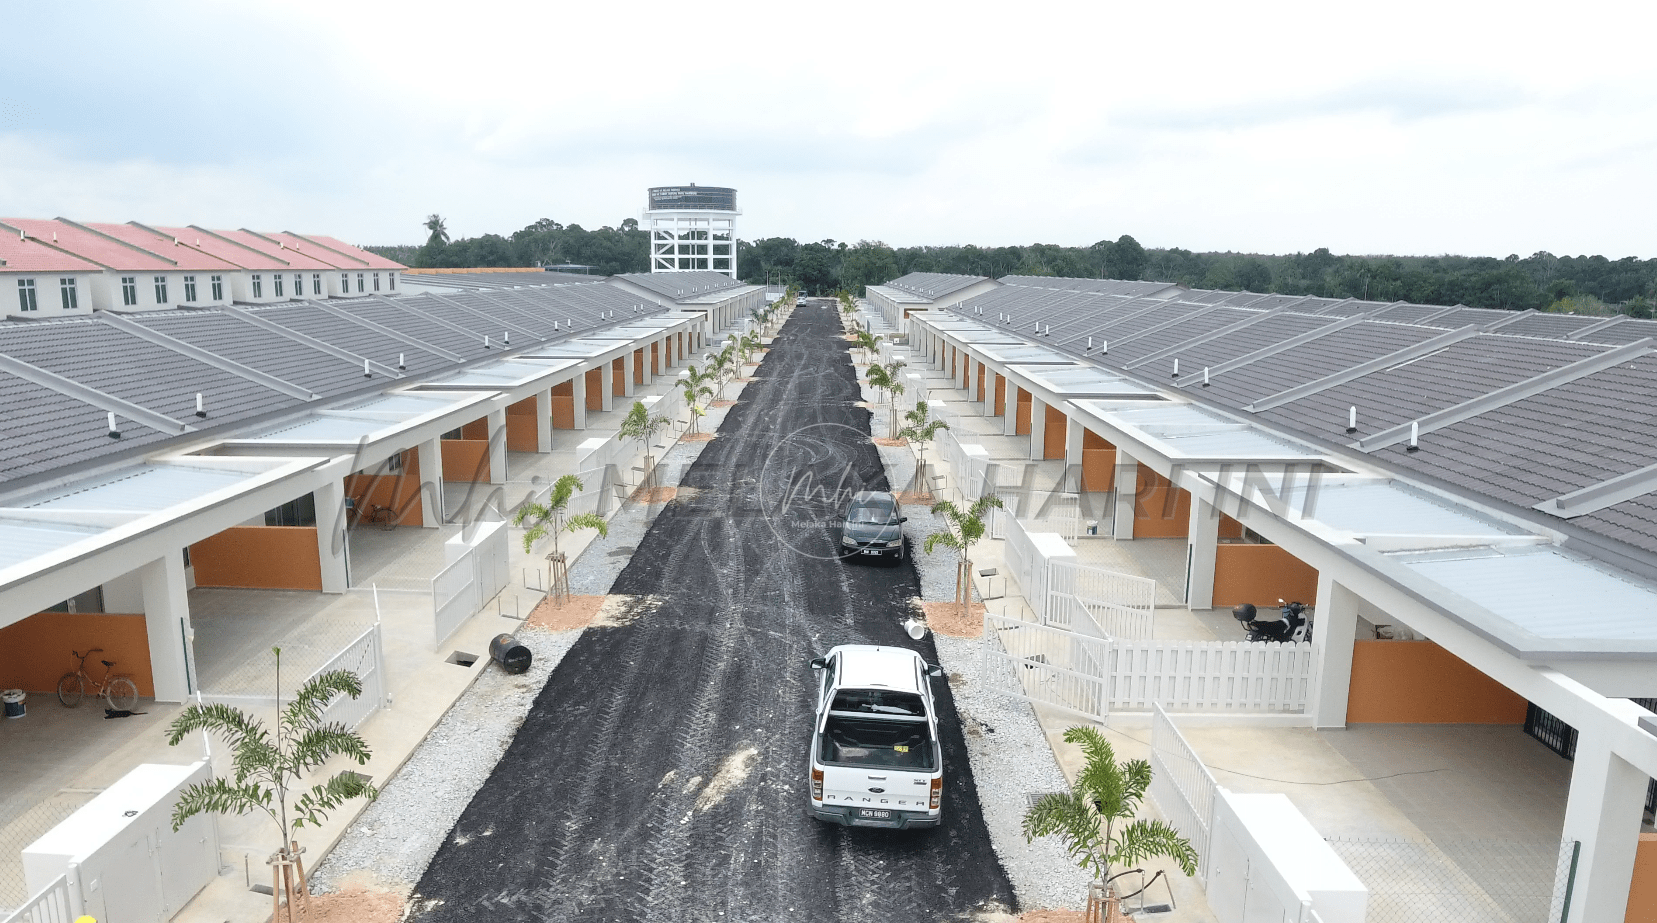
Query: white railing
x=1212, y=676
x=1124, y=605
x=59, y=902
x=365, y=657
x=1025, y=564
x=1055, y=667
x=1181, y=786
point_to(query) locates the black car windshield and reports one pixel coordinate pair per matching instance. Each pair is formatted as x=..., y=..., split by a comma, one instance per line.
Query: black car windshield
x=879, y=702
x=874, y=512
x=875, y=742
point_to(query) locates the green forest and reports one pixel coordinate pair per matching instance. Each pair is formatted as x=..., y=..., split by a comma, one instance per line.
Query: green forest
x=1579, y=284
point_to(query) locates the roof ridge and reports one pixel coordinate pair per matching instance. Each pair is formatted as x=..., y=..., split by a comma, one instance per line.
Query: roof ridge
x=237, y=243
x=87, y=394
x=115, y=240
x=205, y=356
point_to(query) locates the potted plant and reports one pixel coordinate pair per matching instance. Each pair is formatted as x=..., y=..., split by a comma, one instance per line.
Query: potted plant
x=1097, y=823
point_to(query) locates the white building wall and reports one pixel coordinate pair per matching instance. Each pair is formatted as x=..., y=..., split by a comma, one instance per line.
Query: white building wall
x=48, y=293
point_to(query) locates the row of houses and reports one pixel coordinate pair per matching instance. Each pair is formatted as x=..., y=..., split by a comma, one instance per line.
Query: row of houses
x=57, y=267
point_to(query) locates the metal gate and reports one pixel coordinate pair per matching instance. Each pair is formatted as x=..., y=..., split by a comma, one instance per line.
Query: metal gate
x=1053, y=666
x=1124, y=605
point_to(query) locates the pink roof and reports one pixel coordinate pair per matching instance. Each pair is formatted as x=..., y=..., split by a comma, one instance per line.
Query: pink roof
x=314, y=251
x=17, y=255
x=90, y=246
x=294, y=259
x=205, y=242
x=371, y=260
x=173, y=248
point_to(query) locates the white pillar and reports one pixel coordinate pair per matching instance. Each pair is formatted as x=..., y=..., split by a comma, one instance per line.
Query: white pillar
x=1603, y=812
x=1073, y=453
x=607, y=386
x=645, y=364
x=1009, y=419
x=1127, y=490
x=1038, y=429
x=330, y=535
x=578, y=395
x=497, y=446
x=629, y=369
x=431, y=482
x=167, y=622
x=1200, y=553
x=543, y=421
x=1335, y=634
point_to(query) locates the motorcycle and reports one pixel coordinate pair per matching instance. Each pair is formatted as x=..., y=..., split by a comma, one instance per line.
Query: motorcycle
x=1294, y=626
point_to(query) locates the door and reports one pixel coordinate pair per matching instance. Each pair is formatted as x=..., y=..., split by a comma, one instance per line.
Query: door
x=132, y=884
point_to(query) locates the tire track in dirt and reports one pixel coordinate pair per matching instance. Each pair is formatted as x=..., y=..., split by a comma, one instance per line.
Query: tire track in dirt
x=582, y=824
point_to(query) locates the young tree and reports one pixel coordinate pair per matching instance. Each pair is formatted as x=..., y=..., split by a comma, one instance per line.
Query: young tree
x=640, y=425
x=868, y=342
x=268, y=768
x=920, y=430
x=887, y=380
x=961, y=529
x=695, y=384
x=552, y=517
x=1095, y=820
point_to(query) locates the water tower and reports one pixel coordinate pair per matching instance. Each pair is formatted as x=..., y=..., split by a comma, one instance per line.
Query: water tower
x=692, y=228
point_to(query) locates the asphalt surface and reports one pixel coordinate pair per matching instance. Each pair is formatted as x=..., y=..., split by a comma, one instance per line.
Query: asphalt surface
x=661, y=773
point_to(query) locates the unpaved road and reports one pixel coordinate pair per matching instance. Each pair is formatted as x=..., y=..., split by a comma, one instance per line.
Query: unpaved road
x=661, y=773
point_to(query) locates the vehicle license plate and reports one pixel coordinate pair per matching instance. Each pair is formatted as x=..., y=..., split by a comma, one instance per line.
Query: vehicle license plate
x=873, y=813
x=870, y=551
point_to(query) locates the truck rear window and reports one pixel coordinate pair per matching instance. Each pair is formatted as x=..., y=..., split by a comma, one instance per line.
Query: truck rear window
x=877, y=743
x=879, y=702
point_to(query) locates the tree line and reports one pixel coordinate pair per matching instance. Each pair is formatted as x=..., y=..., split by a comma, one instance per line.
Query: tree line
x=1580, y=284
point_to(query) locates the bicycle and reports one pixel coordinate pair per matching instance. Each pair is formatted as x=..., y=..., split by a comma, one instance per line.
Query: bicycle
x=117, y=689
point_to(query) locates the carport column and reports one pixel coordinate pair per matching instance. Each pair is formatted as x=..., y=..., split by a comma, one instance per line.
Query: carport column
x=644, y=362
x=1009, y=419
x=497, y=446
x=1038, y=429
x=330, y=535
x=629, y=368
x=1072, y=454
x=1336, y=615
x=543, y=421
x=1127, y=489
x=578, y=393
x=607, y=382
x=167, y=621
x=431, y=482
x=1604, y=809
x=1200, y=551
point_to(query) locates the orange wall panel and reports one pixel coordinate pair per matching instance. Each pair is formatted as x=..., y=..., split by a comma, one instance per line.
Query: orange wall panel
x=1098, y=469
x=465, y=460
x=1160, y=510
x=563, y=411
x=638, y=366
x=400, y=492
x=259, y=557
x=1418, y=682
x=1052, y=437
x=1642, y=894
x=1260, y=574
x=618, y=387
x=522, y=434
x=1000, y=396
x=477, y=429
x=34, y=653
x=1092, y=440
x=1021, y=425
x=595, y=389
x=980, y=390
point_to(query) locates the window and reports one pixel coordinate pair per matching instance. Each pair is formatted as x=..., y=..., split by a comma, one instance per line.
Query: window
x=129, y=289
x=345, y=283
x=391, y=281
x=276, y=283
x=258, y=286
x=876, y=743
x=300, y=512
x=160, y=289
x=71, y=302
x=376, y=282
x=189, y=288
x=298, y=285
x=26, y=295
x=359, y=282
x=316, y=283
x=218, y=288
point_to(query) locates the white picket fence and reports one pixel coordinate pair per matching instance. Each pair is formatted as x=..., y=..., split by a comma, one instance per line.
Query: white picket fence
x=1211, y=676
x=1124, y=605
x=1025, y=565
x=59, y=902
x=1181, y=786
x=364, y=655
x=1064, y=669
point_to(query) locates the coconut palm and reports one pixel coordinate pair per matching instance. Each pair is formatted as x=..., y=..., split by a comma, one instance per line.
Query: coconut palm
x=695, y=384
x=268, y=767
x=961, y=529
x=887, y=380
x=920, y=430
x=640, y=425
x=1095, y=820
x=553, y=516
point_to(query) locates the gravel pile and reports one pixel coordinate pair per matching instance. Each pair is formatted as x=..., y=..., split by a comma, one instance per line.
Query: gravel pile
x=396, y=837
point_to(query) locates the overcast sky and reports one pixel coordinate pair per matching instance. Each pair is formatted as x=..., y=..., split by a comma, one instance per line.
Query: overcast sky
x=1397, y=127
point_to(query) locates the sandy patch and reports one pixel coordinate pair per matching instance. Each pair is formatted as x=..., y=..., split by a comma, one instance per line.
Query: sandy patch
x=1052, y=916
x=654, y=495
x=724, y=404
x=915, y=496
x=355, y=904
x=894, y=443
x=696, y=437
x=733, y=770
x=578, y=612
x=946, y=618
x=619, y=609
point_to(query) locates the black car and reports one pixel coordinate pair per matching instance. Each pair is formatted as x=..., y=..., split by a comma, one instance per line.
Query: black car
x=872, y=526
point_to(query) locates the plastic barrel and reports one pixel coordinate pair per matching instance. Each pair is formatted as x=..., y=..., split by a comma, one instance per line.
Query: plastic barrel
x=512, y=656
x=13, y=699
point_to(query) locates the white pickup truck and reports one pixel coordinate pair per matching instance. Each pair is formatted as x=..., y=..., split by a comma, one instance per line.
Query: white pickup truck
x=875, y=759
